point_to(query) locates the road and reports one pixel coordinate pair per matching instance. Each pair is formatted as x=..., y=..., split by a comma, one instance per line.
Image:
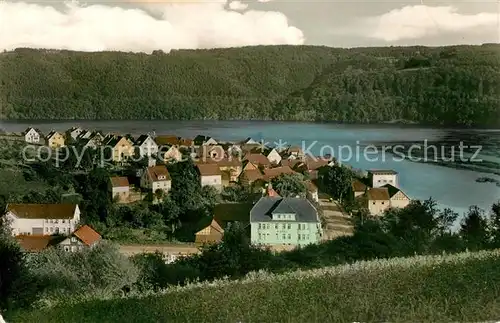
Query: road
x=170, y=249
x=337, y=224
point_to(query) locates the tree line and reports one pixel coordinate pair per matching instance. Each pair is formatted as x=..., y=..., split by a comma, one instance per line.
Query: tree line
x=451, y=86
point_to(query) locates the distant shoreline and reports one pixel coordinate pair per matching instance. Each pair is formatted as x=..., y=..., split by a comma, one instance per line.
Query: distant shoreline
x=393, y=123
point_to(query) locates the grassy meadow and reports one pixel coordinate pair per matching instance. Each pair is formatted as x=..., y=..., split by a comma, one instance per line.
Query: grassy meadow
x=461, y=287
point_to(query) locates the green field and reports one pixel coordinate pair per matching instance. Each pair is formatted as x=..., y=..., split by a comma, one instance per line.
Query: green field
x=462, y=287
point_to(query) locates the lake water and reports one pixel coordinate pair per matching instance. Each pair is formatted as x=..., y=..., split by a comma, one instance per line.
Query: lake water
x=454, y=188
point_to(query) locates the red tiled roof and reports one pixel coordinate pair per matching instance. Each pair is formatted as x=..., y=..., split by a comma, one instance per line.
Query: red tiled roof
x=157, y=171
x=252, y=175
x=290, y=162
x=42, y=211
x=87, y=235
x=119, y=181
x=257, y=159
x=275, y=172
x=208, y=169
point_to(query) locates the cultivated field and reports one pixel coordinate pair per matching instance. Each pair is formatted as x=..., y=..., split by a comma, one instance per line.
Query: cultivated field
x=462, y=287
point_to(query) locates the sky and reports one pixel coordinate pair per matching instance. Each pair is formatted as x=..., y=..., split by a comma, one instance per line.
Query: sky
x=147, y=25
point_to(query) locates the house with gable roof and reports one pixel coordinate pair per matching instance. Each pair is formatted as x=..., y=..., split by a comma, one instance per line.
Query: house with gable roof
x=146, y=146
x=33, y=135
x=210, y=175
x=156, y=178
x=84, y=237
x=55, y=140
x=42, y=219
x=284, y=221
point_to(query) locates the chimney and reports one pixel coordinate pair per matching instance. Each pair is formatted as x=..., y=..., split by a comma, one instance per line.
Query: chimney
x=270, y=191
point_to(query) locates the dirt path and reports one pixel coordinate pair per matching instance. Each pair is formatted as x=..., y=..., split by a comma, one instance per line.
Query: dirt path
x=170, y=249
x=337, y=223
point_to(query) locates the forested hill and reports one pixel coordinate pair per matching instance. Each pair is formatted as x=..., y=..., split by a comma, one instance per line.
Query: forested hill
x=451, y=86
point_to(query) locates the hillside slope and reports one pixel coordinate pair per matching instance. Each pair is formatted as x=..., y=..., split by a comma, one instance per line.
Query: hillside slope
x=462, y=287
x=446, y=85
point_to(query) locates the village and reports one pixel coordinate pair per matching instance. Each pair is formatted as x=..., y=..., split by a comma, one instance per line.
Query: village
x=272, y=220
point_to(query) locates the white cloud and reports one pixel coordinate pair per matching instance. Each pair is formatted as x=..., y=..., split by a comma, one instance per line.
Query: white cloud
x=203, y=24
x=237, y=5
x=414, y=22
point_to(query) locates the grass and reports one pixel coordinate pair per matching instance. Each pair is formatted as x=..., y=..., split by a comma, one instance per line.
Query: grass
x=462, y=287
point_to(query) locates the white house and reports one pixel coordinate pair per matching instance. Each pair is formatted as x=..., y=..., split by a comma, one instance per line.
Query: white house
x=210, y=175
x=249, y=141
x=146, y=146
x=84, y=237
x=74, y=132
x=32, y=135
x=274, y=156
x=120, y=188
x=156, y=178
x=42, y=219
x=379, y=178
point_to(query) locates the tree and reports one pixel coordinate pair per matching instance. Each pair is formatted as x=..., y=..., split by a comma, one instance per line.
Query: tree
x=289, y=185
x=336, y=180
x=495, y=224
x=11, y=264
x=474, y=229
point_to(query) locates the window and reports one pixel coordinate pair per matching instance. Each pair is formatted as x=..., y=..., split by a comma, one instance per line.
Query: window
x=299, y=237
x=260, y=236
x=63, y=221
x=373, y=203
x=289, y=226
x=46, y=221
x=382, y=203
x=51, y=230
x=276, y=226
x=260, y=226
x=284, y=236
x=56, y=221
x=289, y=236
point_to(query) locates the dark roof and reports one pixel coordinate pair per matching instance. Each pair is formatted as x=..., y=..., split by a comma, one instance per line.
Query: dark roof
x=227, y=212
x=392, y=190
x=382, y=171
x=141, y=139
x=304, y=211
x=200, y=139
x=42, y=211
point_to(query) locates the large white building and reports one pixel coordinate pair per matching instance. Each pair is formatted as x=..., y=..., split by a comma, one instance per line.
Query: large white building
x=379, y=178
x=42, y=219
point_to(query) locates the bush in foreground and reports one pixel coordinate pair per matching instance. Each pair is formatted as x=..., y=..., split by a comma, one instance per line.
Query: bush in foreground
x=424, y=288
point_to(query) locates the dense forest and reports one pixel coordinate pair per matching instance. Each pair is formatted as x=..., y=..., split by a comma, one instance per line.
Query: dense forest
x=449, y=86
